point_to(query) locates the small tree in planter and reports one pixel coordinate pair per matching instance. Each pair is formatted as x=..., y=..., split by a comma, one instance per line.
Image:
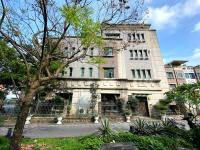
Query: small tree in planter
x=127, y=114
x=96, y=117
x=161, y=108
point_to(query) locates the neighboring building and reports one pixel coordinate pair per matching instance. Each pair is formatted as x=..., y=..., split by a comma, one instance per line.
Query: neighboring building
x=133, y=67
x=178, y=73
x=197, y=72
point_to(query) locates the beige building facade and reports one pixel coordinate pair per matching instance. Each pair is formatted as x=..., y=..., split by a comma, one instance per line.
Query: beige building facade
x=133, y=68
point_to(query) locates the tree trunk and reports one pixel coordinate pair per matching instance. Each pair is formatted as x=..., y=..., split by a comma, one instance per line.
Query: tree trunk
x=183, y=109
x=23, y=114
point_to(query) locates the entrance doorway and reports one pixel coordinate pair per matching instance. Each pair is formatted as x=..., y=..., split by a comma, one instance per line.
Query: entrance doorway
x=143, y=106
x=110, y=104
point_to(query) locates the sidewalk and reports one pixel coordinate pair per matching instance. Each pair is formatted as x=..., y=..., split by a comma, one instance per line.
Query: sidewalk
x=66, y=130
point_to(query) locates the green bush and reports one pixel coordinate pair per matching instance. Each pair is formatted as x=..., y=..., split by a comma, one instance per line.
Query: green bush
x=152, y=142
x=4, y=143
x=195, y=136
x=91, y=142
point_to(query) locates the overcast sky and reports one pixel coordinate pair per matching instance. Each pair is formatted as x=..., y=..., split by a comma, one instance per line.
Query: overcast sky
x=178, y=27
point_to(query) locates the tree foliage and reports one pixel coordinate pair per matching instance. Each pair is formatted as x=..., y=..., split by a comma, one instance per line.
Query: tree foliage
x=11, y=65
x=36, y=29
x=188, y=94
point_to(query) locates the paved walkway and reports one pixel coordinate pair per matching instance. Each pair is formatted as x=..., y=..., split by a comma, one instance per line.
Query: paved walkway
x=66, y=130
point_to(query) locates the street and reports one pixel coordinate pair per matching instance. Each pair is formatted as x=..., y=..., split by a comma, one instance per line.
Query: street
x=66, y=130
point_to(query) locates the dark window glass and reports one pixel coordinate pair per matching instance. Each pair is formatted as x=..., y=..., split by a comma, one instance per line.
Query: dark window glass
x=172, y=86
x=129, y=37
x=142, y=36
x=131, y=53
x=141, y=56
x=145, y=53
x=133, y=36
x=92, y=52
x=133, y=74
x=170, y=75
x=136, y=53
x=192, y=76
x=70, y=71
x=187, y=76
x=138, y=74
x=138, y=36
x=144, y=74
x=108, y=72
x=108, y=52
x=179, y=75
x=82, y=71
x=90, y=71
x=198, y=74
x=149, y=74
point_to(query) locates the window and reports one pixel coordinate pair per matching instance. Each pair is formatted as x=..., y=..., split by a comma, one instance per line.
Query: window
x=198, y=74
x=133, y=36
x=92, y=52
x=131, y=53
x=141, y=56
x=187, y=76
x=129, y=37
x=138, y=36
x=172, y=86
x=90, y=72
x=142, y=36
x=82, y=71
x=179, y=75
x=149, y=74
x=108, y=72
x=170, y=75
x=113, y=35
x=136, y=54
x=145, y=54
x=192, y=76
x=70, y=71
x=108, y=52
x=133, y=74
x=144, y=74
x=138, y=74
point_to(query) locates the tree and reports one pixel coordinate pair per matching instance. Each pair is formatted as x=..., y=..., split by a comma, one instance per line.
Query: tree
x=36, y=28
x=187, y=97
x=11, y=66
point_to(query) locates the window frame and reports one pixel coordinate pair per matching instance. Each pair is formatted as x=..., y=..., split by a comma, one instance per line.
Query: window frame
x=108, y=55
x=112, y=74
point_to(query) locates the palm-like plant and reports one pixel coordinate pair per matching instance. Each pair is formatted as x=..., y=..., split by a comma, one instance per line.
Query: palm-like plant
x=105, y=129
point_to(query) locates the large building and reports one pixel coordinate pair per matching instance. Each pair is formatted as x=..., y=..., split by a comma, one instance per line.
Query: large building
x=133, y=68
x=178, y=73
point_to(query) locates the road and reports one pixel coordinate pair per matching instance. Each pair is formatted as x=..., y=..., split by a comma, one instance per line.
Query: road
x=66, y=130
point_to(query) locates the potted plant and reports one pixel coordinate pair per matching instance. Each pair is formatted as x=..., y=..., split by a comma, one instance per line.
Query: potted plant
x=161, y=107
x=127, y=114
x=96, y=117
x=28, y=119
x=59, y=119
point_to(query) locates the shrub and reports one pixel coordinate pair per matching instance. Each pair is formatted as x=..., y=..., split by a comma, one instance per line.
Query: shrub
x=105, y=130
x=140, y=127
x=152, y=142
x=195, y=136
x=91, y=142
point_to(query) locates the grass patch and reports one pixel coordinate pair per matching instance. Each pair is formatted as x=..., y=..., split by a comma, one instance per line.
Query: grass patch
x=93, y=142
x=4, y=143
